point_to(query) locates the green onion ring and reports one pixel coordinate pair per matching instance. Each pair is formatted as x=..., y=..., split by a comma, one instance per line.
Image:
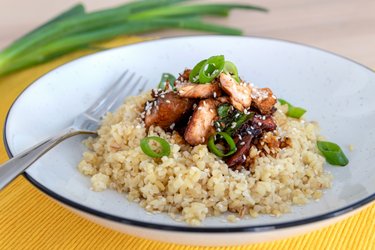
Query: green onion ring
x=212, y=146
x=230, y=68
x=166, y=78
x=211, y=69
x=223, y=110
x=333, y=153
x=165, y=147
x=294, y=112
x=194, y=74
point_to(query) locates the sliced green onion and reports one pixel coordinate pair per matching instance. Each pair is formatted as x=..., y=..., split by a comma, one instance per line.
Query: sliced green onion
x=164, y=145
x=223, y=110
x=230, y=68
x=166, y=79
x=211, y=69
x=333, y=153
x=194, y=74
x=295, y=112
x=239, y=119
x=214, y=149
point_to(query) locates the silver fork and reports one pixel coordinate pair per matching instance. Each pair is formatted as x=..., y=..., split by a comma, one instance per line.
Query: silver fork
x=86, y=123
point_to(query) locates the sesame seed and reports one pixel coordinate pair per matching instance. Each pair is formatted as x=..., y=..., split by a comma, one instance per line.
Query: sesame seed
x=234, y=124
x=168, y=101
x=259, y=124
x=215, y=95
x=240, y=137
x=199, y=108
x=243, y=157
x=211, y=110
x=194, y=105
x=172, y=126
x=242, y=143
x=162, y=96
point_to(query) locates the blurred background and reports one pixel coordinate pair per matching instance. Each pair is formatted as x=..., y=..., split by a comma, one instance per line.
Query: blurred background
x=345, y=27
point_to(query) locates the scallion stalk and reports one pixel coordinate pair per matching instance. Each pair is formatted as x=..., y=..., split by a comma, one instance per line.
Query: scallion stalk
x=72, y=43
x=79, y=24
x=74, y=11
x=196, y=9
x=74, y=29
x=81, y=41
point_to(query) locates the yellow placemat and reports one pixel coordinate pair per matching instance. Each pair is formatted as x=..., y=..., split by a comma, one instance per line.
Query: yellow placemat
x=30, y=220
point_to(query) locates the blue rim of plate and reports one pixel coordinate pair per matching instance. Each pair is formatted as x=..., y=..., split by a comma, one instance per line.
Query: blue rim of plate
x=190, y=229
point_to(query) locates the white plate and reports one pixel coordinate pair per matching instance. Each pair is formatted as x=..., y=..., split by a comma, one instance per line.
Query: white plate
x=336, y=92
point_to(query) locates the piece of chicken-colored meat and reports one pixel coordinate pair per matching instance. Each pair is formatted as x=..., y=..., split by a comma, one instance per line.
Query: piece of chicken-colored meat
x=202, y=91
x=184, y=76
x=239, y=93
x=166, y=110
x=263, y=100
x=200, y=127
x=244, y=136
x=223, y=99
x=264, y=122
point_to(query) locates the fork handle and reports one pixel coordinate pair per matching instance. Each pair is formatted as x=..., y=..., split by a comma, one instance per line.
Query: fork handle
x=16, y=165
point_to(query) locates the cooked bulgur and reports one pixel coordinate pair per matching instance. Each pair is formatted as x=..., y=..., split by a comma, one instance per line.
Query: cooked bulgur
x=193, y=183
